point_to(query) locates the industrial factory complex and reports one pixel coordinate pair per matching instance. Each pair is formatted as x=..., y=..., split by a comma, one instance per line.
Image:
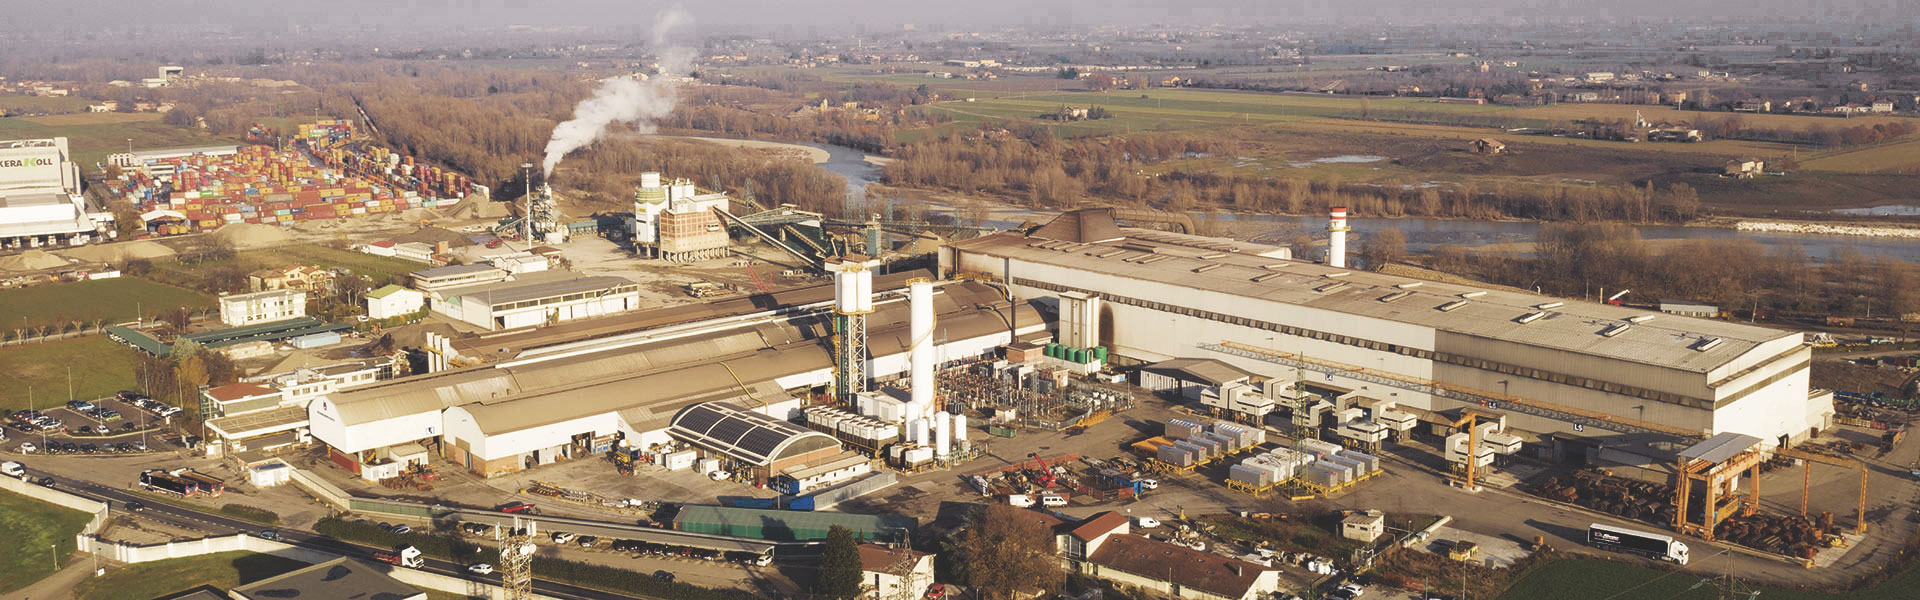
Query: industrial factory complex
x=1427, y=346
x=40, y=201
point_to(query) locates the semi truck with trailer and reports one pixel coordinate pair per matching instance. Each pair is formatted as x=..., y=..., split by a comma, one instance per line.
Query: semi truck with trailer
x=1652, y=545
x=405, y=557
x=159, y=480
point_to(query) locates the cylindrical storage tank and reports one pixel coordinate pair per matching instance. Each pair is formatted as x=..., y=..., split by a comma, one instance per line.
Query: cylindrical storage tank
x=650, y=179
x=942, y=433
x=917, y=431
x=1080, y=355
x=1100, y=353
x=865, y=288
x=959, y=427
x=920, y=353
x=844, y=290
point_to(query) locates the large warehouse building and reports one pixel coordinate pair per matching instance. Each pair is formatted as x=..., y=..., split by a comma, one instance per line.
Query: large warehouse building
x=576, y=400
x=40, y=201
x=1425, y=344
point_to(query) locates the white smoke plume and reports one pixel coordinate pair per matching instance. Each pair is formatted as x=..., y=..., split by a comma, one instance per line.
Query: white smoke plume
x=639, y=102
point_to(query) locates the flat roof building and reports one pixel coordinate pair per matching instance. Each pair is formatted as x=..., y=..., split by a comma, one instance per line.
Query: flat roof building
x=331, y=580
x=1649, y=373
x=240, y=310
x=541, y=298
x=40, y=201
x=453, y=276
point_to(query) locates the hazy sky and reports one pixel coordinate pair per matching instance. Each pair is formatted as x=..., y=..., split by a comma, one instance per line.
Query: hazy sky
x=889, y=14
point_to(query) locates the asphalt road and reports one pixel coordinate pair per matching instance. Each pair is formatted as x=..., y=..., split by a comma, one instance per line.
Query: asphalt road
x=217, y=524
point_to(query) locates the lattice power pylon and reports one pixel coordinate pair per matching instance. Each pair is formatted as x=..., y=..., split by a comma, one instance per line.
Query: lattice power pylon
x=516, y=558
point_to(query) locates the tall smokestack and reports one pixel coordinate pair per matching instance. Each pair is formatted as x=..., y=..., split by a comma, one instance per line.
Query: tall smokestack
x=920, y=327
x=1337, y=239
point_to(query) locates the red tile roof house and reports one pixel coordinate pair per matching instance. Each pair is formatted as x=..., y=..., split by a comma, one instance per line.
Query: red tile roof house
x=1103, y=546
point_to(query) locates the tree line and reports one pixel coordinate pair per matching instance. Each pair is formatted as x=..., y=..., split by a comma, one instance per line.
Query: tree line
x=1580, y=260
x=1031, y=167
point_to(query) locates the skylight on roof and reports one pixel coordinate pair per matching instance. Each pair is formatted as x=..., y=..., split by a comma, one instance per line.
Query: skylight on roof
x=1451, y=306
x=1212, y=256
x=1395, y=296
x=1109, y=253
x=1639, y=318
x=1338, y=274
x=1547, y=305
x=1615, y=329
x=1475, y=294
x=1205, y=268
x=1274, y=266
x=1266, y=277
x=1331, y=286
x=1408, y=285
x=1531, y=317
x=1706, y=344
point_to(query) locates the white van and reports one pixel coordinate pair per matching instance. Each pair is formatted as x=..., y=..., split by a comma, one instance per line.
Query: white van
x=13, y=469
x=1146, y=522
x=1020, y=500
x=1053, y=500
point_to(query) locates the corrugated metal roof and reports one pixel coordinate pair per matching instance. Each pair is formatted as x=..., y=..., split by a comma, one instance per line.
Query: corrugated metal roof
x=516, y=291
x=1575, y=326
x=801, y=525
x=1720, y=447
x=1208, y=370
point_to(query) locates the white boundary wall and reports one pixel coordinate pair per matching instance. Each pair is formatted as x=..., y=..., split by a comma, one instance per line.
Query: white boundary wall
x=63, y=499
x=128, y=553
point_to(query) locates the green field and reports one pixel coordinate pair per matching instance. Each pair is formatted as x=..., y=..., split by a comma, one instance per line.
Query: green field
x=223, y=570
x=1603, y=580
x=115, y=300
x=93, y=141
x=51, y=104
x=377, y=268
x=33, y=536
x=99, y=365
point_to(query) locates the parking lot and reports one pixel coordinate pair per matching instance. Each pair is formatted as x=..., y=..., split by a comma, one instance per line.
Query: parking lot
x=108, y=425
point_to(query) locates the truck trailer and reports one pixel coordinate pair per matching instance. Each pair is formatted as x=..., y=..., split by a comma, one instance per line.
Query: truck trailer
x=405, y=557
x=161, y=481
x=1651, y=545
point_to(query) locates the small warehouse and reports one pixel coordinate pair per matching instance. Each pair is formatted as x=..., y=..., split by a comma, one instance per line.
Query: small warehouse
x=789, y=525
x=1190, y=377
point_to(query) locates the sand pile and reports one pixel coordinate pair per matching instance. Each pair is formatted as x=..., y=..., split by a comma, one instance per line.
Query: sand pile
x=114, y=253
x=31, y=260
x=252, y=235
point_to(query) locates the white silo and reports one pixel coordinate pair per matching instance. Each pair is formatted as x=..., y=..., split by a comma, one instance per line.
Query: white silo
x=942, y=434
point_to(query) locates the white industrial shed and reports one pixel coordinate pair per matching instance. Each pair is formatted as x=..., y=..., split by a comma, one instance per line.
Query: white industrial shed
x=1180, y=300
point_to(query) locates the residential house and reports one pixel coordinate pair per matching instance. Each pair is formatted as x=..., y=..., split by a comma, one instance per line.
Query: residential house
x=1753, y=105
x=380, y=248
x=1079, y=542
x=1164, y=568
x=1487, y=146
x=894, y=573
x=1583, y=97
x=294, y=277
x=1857, y=86
x=1744, y=168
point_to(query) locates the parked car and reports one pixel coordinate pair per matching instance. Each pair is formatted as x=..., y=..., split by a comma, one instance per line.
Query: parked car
x=69, y=447
x=80, y=405
x=86, y=430
x=402, y=529
x=139, y=446
x=663, y=575
x=29, y=448
x=1149, y=484
x=562, y=537
x=1053, y=500
x=936, y=591
x=517, y=507
x=89, y=448
x=45, y=481
x=270, y=535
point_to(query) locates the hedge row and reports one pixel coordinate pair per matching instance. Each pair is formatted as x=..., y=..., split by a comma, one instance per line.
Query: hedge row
x=257, y=515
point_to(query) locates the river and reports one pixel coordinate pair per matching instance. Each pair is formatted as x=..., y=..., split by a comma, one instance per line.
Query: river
x=1423, y=234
